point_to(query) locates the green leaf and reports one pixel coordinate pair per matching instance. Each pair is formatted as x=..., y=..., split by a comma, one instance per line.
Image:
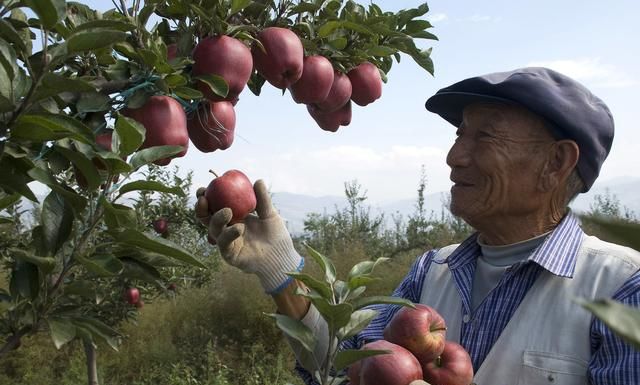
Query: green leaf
x=99, y=330
x=93, y=102
x=357, y=322
x=423, y=58
x=151, y=154
x=623, y=320
x=77, y=202
x=136, y=269
x=148, y=185
x=339, y=43
x=54, y=84
x=57, y=222
x=91, y=40
x=188, y=93
x=325, y=264
x=416, y=26
x=381, y=50
x=62, y=331
x=175, y=80
x=627, y=233
x=359, y=275
x=118, y=217
x=49, y=11
x=13, y=178
x=11, y=35
x=130, y=135
x=327, y=28
x=296, y=330
x=336, y=315
x=375, y=300
x=25, y=280
x=42, y=127
x=323, y=288
x=155, y=244
x=107, y=24
x=84, y=165
x=346, y=357
x=239, y=5
x=102, y=265
x=8, y=200
x=45, y=264
x=217, y=84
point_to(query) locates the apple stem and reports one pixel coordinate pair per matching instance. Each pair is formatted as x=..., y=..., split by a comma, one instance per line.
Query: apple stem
x=214, y=173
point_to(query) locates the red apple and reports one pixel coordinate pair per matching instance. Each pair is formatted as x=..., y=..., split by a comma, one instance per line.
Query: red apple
x=140, y=304
x=103, y=140
x=234, y=190
x=366, y=83
x=281, y=62
x=316, y=80
x=161, y=226
x=165, y=123
x=399, y=367
x=421, y=330
x=132, y=295
x=339, y=94
x=172, y=286
x=453, y=367
x=212, y=126
x=224, y=56
x=331, y=121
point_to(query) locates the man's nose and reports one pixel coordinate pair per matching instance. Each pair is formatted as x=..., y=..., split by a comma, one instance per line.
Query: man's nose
x=459, y=154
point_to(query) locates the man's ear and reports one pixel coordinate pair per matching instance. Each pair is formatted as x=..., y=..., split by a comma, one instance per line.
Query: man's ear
x=562, y=159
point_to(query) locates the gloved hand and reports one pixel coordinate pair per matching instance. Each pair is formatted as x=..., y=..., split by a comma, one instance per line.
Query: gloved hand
x=260, y=244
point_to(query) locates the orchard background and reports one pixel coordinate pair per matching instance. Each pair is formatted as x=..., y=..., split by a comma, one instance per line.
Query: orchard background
x=106, y=277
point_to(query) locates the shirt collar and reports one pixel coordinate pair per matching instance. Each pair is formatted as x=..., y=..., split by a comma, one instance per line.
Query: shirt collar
x=557, y=253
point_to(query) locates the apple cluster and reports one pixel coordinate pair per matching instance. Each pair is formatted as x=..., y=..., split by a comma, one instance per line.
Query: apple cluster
x=418, y=350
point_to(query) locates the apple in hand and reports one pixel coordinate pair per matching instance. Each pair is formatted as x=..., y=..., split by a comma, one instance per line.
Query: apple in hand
x=366, y=83
x=281, y=62
x=339, y=94
x=421, y=330
x=453, y=367
x=165, y=123
x=316, y=80
x=331, y=121
x=226, y=57
x=234, y=190
x=212, y=126
x=399, y=367
x=132, y=295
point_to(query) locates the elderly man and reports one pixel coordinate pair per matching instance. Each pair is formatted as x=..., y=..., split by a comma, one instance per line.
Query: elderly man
x=528, y=141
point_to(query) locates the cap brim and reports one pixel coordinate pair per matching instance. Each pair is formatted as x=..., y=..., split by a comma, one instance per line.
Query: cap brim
x=449, y=105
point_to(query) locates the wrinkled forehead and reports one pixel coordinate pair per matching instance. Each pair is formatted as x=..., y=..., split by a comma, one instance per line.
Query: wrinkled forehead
x=506, y=119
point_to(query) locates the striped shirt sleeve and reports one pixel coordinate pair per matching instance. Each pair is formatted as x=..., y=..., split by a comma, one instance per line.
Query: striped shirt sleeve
x=614, y=361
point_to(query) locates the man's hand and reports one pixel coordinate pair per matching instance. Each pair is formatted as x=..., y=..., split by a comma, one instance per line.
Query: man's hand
x=260, y=244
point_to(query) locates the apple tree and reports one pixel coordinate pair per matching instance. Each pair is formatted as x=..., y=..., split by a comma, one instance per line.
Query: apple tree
x=89, y=99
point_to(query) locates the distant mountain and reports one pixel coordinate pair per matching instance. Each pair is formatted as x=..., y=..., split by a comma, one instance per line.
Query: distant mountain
x=295, y=207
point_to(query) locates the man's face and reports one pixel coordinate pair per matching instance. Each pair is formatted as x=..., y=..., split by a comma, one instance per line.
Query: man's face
x=495, y=163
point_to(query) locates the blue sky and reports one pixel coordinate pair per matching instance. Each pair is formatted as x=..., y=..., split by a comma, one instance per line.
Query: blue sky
x=389, y=140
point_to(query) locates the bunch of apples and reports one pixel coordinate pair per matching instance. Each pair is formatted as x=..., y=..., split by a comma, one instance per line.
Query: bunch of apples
x=416, y=340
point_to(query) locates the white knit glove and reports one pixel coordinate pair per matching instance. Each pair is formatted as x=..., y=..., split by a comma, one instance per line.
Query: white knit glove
x=260, y=244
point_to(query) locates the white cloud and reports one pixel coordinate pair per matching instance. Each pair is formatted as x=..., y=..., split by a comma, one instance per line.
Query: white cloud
x=589, y=70
x=481, y=19
x=437, y=17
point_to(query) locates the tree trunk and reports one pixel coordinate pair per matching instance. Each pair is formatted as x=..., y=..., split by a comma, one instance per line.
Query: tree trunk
x=92, y=362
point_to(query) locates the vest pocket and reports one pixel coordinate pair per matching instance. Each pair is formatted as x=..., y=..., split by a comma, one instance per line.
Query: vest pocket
x=542, y=368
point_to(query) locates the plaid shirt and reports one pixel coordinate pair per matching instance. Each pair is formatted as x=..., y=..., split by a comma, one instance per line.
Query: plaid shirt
x=612, y=361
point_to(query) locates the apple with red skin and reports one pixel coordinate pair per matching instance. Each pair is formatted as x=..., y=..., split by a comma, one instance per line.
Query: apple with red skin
x=453, y=367
x=140, y=304
x=399, y=367
x=234, y=190
x=161, y=226
x=421, y=330
x=366, y=83
x=172, y=286
x=281, y=63
x=212, y=126
x=332, y=120
x=316, y=80
x=226, y=57
x=132, y=295
x=172, y=51
x=339, y=94
x=165, y=123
